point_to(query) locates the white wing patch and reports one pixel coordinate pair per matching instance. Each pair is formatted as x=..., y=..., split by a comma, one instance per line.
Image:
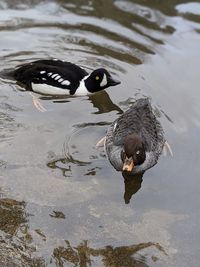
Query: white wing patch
x=57, y=77
x=54, y=75
x=46, y=89
x=104, y=81
x=115, y=125
x=65, y=82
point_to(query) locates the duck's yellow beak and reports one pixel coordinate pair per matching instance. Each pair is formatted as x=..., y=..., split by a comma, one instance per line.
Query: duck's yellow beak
x=128, y=165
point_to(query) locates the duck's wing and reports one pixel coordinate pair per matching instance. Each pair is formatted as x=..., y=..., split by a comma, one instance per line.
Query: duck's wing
x=139, y=119
x=130, y=122
x=151, y=130
x=56, y=63
x=55, y=73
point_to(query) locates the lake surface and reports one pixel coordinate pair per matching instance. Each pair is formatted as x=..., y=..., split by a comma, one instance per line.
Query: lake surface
x=61, y=202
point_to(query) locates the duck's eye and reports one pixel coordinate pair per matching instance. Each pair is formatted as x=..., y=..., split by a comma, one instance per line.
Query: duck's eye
x=138, y=152
x=97, y=78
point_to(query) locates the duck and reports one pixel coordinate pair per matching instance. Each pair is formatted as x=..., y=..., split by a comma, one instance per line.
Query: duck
x=135, y=141
x=57, y=77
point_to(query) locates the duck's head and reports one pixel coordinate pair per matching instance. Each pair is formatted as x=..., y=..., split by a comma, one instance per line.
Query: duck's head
x=99, y=80
x=133, y=152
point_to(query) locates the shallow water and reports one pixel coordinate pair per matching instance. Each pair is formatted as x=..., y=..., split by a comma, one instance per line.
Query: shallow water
x=61, y=202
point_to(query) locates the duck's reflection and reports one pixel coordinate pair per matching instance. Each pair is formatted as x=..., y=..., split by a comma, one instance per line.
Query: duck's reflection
x=132, y=184
x=100, y=100
x=56, y=99
x=126, y=256
x=103, y=103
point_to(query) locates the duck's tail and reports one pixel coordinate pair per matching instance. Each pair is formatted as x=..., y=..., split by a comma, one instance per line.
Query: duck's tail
x=167, y=149
x=7, y=74
x=101, y=143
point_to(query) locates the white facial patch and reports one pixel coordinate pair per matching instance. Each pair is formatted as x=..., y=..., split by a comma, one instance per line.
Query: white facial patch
x=104, y=81
x=42, y=72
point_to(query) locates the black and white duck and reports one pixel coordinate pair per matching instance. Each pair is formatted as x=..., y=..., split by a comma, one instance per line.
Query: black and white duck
x=56, y=77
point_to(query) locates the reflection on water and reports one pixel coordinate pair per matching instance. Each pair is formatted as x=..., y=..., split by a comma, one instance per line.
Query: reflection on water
x=103, y=103
x=75, y=153
x=190, y=11
x=68, y=163
x=12, y=216
x=152, y=47
x=16, y=248
x=61, y=163
x=127, y=32
x=57, y=215
x=73, y=144
x=15, y=239
x=84, y=256
x=132, y=183
x=8, y=126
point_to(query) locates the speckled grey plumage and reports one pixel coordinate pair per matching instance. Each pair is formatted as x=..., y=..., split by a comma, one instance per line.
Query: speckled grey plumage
x=138, y=119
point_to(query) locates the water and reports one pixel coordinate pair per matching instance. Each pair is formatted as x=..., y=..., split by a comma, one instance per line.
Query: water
x=62, y=203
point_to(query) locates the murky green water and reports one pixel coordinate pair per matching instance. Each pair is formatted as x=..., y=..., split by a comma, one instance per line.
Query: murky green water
x=61, y=202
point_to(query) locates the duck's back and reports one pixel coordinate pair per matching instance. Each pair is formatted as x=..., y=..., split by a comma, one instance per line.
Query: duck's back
x=27, y=72
x=138, y=119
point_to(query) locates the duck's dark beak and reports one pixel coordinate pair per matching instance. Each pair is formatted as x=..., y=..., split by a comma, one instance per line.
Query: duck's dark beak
x=128, y=165
x=111, y=81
